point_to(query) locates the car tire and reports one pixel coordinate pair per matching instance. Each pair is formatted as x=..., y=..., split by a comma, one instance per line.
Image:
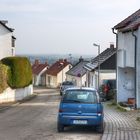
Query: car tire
x=60, y=127
x=60, y=93
x=100, y=128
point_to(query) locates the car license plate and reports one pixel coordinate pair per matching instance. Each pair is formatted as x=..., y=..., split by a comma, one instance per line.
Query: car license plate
x=79, y=121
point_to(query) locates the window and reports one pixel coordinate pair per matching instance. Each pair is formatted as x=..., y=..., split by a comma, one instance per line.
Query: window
x=80, y=96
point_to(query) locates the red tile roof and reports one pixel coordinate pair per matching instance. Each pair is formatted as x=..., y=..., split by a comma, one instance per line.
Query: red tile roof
x=57, y=67
x=130, y=23
x=36, y=69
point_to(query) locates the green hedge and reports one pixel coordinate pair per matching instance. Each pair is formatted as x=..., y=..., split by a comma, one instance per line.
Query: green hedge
x=3, y=77
x=20, y=73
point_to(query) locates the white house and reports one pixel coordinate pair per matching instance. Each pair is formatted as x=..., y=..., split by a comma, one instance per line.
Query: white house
x=7, y=40
x=77, y=74
x=107, y=71
x=56, y=74
x=128, y=58
x=38, y=70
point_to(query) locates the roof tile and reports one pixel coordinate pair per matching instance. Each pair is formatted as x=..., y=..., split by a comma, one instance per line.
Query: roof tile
x=130, y=23
x=106, y=54
x=57, y=67
x=36, y=69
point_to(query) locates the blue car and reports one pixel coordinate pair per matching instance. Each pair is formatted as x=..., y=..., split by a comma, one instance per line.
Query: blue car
x=80, y=106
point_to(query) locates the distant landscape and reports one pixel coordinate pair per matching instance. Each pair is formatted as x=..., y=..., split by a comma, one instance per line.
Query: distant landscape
x=52, y=58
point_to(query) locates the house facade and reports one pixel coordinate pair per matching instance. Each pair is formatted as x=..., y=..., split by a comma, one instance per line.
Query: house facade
x=107, y=62
x=128, y=60
x=7, y=40
x=39, y=79
x=56, y=74
x=77, y=74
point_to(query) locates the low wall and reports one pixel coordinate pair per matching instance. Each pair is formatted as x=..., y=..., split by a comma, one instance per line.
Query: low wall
x=11, y=95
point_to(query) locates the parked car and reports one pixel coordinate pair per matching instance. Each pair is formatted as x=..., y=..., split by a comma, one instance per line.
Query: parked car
x=80, y=106
x=65, y=85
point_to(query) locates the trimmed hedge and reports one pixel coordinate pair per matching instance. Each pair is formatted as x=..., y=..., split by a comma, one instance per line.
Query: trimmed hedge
x=3, y=77
x=20, y=73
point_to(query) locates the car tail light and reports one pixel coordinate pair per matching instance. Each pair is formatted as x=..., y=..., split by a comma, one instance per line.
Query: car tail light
x=60, y=110
x=100, y=113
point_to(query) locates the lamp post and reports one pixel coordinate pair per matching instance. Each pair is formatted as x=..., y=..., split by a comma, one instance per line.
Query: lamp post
x=96, y=45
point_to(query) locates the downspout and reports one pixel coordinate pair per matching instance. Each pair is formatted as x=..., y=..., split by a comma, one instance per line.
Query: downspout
x=116, y=60
x=135, y=65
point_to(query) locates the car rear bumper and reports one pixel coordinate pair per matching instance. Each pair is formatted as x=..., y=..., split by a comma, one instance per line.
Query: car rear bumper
x=69, y=119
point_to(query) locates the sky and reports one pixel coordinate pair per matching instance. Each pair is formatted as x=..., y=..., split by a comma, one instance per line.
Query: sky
x=64, y=26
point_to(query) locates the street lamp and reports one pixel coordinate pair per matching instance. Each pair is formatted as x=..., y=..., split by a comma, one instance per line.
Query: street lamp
x=96, y=45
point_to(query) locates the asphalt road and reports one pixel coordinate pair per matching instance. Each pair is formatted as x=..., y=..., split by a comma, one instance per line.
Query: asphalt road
x=36, y=120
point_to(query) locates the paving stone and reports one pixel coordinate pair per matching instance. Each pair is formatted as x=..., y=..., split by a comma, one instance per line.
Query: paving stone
x=120, y=125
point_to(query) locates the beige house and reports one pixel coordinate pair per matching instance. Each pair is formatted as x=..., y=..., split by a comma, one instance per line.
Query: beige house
x=55, y=75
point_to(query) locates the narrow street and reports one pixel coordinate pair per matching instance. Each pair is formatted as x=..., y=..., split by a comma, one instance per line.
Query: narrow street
x=37, y=120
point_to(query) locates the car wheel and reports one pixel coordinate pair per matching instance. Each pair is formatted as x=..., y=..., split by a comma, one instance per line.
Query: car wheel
x=100, y=128
x=60, y=127
x=61, y=93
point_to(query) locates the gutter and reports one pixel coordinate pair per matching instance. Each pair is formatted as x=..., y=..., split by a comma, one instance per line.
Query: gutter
x=9, y=29
x=135, y=82
x=113, y=30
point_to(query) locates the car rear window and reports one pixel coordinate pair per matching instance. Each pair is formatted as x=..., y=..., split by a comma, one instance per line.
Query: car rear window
x=80, y=96
x=67, y=83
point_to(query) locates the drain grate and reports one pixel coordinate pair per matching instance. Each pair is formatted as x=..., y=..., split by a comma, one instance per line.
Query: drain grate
x=127, y=129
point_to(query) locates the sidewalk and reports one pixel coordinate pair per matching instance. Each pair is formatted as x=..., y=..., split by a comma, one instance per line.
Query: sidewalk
x=121, y=125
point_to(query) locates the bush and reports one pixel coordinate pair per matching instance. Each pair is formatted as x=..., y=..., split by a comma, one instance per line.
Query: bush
x=3, y=77
x=20, y=73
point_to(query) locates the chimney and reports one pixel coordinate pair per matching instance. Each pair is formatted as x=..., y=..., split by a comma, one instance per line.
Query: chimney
x=65, y=60
x=111, y=46
x=36, y=62
x=46, y=62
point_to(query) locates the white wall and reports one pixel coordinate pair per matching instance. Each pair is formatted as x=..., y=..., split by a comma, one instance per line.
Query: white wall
x=10, y=95
x=125, y=84
x=5, y=42
x=93, y=79
x=59, y=75
x=125, y=67
x=107, y=75
x=126, y=46
x=53, y=81
x=38, y=77
x=78, y=81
